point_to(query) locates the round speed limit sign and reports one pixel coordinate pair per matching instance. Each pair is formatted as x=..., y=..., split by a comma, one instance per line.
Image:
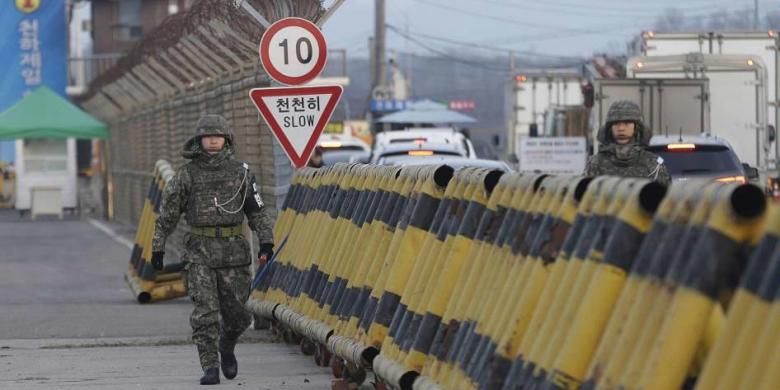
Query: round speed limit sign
x=293, y=51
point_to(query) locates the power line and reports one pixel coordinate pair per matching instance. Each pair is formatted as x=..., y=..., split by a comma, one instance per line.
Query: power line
x=553, y=8
x=485, y=16
x=602, y=30
x=447, y=56
x=608, y=8
x=516, y=22
x=600, y=27
x=480, y=46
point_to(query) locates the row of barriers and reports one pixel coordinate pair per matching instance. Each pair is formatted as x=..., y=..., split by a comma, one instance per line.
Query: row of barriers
x=146, y=283
x=434, y=278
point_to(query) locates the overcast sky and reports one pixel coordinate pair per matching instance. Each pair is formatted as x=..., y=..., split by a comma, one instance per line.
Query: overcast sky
x=560, y=27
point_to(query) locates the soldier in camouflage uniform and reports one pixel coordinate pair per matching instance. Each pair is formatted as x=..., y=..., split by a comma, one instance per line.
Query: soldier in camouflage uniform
x=214, y=191
x=622, y=143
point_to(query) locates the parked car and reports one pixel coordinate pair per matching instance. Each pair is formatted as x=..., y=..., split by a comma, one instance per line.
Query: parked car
x=697, y=157
x=393, y=153
x=453, y=161
x=437, y=141
x=337, y=149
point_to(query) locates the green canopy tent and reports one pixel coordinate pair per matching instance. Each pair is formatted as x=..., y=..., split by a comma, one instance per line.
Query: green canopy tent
x=46, y=173
x=45, y=114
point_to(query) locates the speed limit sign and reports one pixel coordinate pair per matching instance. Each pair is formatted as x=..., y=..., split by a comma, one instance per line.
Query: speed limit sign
x=293, y=51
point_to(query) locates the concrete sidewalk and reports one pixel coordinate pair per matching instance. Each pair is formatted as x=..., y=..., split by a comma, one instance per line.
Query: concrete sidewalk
x=135, y=364
x=70, y=321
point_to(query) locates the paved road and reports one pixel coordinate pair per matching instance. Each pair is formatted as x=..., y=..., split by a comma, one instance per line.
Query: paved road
x=70, y=321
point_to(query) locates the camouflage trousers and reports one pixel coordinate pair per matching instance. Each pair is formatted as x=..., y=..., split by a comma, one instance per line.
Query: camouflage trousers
x=219, y=295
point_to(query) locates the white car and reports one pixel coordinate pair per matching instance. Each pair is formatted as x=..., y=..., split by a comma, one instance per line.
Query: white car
x=336, y=149
x=453, y=161
x=419, y=141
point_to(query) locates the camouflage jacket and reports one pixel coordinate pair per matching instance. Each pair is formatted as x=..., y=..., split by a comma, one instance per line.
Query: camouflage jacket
x=636, y=162
x=212, y=190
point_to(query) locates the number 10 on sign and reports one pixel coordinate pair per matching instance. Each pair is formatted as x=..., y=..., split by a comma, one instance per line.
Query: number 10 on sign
x=293, y=51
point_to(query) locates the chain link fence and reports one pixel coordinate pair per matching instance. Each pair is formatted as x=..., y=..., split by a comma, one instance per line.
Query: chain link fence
x=202, y=61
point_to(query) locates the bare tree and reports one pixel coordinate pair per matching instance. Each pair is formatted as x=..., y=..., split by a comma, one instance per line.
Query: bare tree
x=672, y=20
x=773, y=20
x=718, y=21
x=741, y=20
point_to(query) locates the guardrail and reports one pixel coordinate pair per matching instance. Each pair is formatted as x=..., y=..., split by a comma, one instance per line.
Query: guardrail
x=437, y=279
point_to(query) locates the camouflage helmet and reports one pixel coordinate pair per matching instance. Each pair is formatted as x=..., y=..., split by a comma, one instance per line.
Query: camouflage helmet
x=212, y=124
x=209, y=125
x=624, y=111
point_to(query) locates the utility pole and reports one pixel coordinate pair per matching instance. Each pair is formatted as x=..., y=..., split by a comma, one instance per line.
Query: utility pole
x=377, y=55
x=372, y=61
x=408, y=58
x=511, y=134
x=755, y=15
x=379, y=42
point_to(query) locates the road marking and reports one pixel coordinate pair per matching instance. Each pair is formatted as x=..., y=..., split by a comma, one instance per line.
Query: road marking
x=111, y=233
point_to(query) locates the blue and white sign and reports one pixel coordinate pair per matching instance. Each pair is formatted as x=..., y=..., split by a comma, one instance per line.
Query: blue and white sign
x=388, y=105
x=33, y=51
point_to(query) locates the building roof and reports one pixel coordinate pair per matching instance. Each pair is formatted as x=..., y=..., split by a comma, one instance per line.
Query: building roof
x=426, y=111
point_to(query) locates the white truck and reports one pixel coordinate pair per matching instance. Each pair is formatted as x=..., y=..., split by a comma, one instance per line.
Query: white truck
x=742, y=73
x=668, y=105
x=737, y=101
x=533, y=92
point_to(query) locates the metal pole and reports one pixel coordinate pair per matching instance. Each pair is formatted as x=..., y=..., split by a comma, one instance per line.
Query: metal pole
x=755, y=15
x=329, y=12
x=775, y=100
x=512, y=134
x=253, y=13
x=379, y=41
x=409, y=57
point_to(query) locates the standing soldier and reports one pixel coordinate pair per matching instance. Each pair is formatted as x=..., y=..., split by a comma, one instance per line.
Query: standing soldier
x=315, y=161
x=622, y=143
x=214, y=191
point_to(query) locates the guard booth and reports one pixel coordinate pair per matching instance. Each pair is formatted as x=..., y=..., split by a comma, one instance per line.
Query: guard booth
x=7, y=185
x=46, y=176
x=46, y=127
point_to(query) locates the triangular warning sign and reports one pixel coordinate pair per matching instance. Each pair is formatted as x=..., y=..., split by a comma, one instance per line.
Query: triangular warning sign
x=297, y=116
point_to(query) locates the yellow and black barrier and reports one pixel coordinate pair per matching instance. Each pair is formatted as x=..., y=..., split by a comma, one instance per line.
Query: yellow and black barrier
x=504, y=263
x=437, y=279
x=457, y=250
x=148, y=284
x=749, y=338
x=556, y=212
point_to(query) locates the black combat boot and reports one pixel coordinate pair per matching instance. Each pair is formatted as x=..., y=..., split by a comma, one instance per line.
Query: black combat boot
x=227, y=346
x=210, y=376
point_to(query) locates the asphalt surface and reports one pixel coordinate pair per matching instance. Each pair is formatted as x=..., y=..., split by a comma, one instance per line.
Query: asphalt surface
x=70, y=321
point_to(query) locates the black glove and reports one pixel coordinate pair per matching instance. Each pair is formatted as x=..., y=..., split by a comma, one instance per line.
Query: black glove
x=267, y=250
x=157, y=260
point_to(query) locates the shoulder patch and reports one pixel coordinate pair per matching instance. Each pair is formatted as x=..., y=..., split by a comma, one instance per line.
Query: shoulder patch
x=659, y=160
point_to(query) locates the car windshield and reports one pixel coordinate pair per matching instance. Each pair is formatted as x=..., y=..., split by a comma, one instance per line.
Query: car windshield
x=454, y=162
x=334, y=156
x=703, y=160
x=342, y=148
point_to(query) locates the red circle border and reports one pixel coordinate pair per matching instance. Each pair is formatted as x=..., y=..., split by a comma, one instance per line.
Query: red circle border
x=265, y=43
